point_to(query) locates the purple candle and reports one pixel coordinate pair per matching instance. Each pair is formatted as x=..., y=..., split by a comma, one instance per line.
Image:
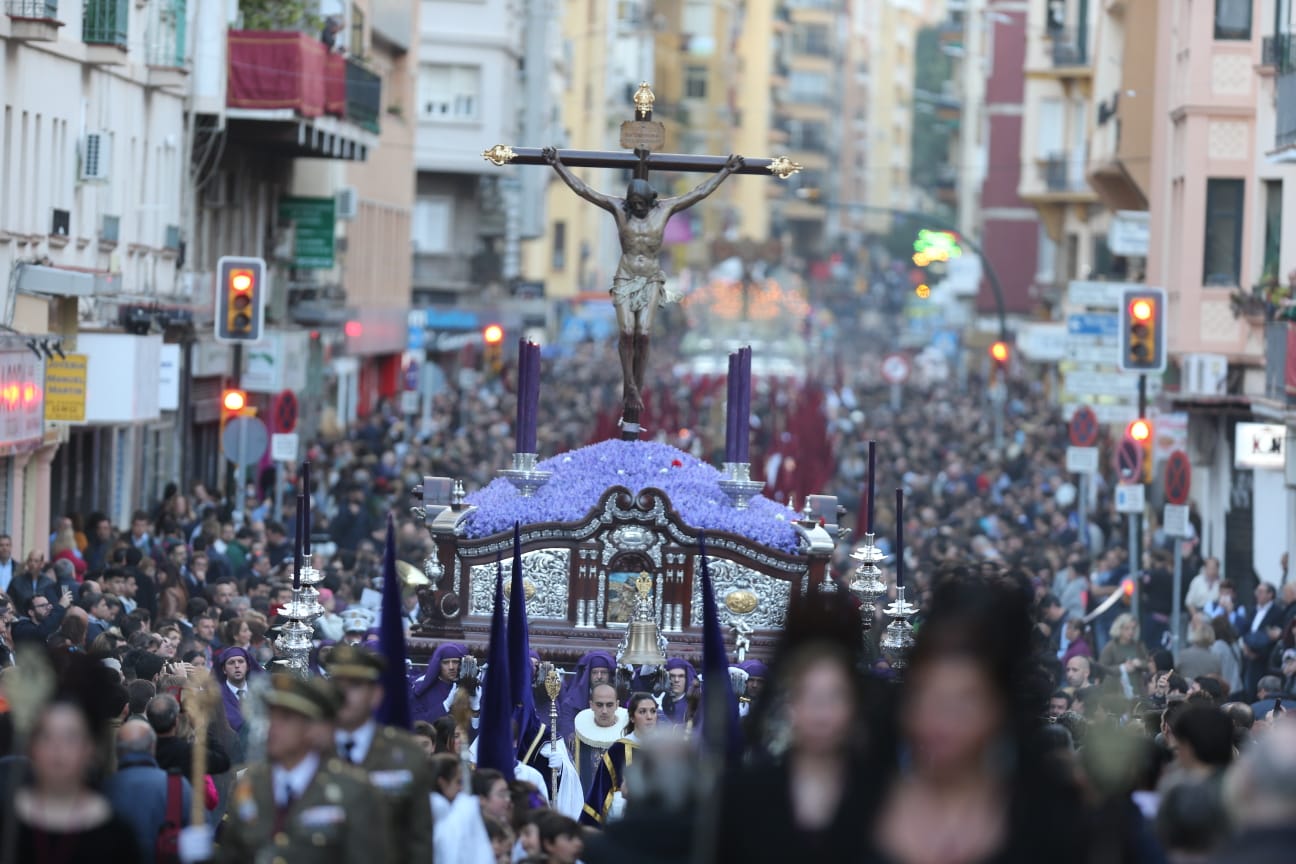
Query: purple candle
x=519, y=431
x=744, y=405
x=899, y=538
x=731, y=411
x=306, y=512
x=297, y=546
x=872, y=468
x=532, y=396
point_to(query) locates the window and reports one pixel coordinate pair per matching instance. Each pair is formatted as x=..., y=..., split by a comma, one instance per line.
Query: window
x=807, y=86
x=1223, y=240
x=695, y=82
x=1233, y=19
x=1273, y=227
x=432, y=220
x=1050, y=129
x=357, y=32
x=811, y=39
x=449, y=93
x=559, y=245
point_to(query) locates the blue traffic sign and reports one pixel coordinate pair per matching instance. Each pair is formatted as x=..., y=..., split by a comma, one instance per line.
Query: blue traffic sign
x=1093, y=324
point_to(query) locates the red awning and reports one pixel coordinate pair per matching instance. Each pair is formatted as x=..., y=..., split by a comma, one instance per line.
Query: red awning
x=271, y=70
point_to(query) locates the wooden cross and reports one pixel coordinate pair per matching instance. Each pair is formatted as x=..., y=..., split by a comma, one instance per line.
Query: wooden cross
x=639, y=285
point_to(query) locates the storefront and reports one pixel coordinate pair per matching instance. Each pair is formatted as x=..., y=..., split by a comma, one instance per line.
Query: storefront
x=24, y=452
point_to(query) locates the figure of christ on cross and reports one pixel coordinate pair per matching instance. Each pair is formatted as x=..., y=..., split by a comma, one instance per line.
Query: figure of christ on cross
x=639, y=286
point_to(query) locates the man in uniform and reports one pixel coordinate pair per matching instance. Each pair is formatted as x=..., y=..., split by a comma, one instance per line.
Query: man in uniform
x=598, y=727
x=394, y=761
x=302, y=804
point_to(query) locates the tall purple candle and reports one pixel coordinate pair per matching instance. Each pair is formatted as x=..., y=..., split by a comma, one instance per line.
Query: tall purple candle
x=872, y=470
x=731, y=411
x=899, y=538
x=532, y=396
x=744, y=405
x=519, y=430
x=297, y=546
x=306, y=512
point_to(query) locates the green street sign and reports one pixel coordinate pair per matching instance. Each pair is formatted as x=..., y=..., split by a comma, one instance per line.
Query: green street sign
x=314, y=221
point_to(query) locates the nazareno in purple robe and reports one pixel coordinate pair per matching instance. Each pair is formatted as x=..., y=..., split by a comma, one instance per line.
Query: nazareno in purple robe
x=575, y=695
x=428, y=692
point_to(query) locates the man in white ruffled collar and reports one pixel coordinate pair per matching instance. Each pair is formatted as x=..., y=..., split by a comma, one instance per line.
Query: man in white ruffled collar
x=598, y=727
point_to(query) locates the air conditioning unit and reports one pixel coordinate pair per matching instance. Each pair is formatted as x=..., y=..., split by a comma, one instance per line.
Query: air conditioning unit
x=1205, y=375
x=347, y=203
x=96, y=156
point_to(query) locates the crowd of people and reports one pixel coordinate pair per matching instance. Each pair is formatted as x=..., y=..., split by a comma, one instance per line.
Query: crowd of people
x=1037, y=719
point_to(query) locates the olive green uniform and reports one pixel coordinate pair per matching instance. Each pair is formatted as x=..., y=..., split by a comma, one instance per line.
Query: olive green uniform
x=398, y=771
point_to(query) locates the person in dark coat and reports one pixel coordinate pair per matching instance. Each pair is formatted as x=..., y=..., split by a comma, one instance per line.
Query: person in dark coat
x=34, y=579
x=1260, y=634
x=139, y=789
x=174, y=753
x=41, y=619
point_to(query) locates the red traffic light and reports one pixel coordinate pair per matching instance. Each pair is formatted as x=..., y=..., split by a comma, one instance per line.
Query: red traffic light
x=1139, y=430
x=999, y=351
x=234, y=401
x=1141, y=309
x=240, y=280
x=493, y=334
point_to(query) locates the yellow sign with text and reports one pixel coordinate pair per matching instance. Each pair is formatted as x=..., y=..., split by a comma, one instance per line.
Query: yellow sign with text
x=65, y=389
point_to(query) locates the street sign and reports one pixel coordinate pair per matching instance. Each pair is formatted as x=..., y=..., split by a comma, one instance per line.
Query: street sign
x=1084, y=427
x=1102, y=384
x=284, y=411
x=283, y=446
x=245, y=440
x=1082, y=460
x=1129, y=461
x=1175, y=521
x=1099, y=294
x=1178, y=478
x=1093, y=324
x=1098, y=352
x=314, y=225
x=1129, y=498
x=409, y=402
x=895, y=368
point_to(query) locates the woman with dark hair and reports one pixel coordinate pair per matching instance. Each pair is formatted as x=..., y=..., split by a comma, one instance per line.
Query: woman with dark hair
x=970, y=784
x=59, y=816
x=603, y=800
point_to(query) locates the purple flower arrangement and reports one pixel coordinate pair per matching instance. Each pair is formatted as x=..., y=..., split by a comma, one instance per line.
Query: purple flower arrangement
x=580, y=477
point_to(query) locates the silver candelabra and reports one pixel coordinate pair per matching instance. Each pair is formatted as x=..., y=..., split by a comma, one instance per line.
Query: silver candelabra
x=297, y=636
x=867, y=585
x=898, y=639
x=524, y=475
x=738, y=484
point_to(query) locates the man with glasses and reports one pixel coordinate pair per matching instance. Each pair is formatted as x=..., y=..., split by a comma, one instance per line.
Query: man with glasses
x=41, y=619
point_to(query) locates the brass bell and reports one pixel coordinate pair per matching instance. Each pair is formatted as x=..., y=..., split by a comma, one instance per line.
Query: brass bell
x=642, y=648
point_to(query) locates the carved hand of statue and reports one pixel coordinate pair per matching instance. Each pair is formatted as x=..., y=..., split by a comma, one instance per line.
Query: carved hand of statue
x=550, y=155
x=734, y=163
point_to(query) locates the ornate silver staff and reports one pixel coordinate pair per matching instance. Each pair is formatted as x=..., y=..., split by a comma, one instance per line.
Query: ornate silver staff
x=553, y=686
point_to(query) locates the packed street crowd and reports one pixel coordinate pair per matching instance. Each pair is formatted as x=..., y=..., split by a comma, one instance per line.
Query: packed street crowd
x=1035, y=720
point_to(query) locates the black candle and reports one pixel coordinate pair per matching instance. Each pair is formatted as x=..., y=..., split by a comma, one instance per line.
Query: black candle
x=523, y=370
x=297, y=546
x=306, y=511
x=899, y=538
x=731, y=411
x=872, y=468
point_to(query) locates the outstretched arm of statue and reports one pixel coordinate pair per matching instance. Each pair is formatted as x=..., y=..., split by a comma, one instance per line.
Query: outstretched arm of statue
x=577, y=185
x=702, y=190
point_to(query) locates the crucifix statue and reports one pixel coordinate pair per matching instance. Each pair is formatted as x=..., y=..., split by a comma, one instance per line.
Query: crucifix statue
x=639, y=285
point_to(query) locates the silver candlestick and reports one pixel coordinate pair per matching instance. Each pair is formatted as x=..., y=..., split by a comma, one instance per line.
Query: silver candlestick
x=867, y=585
x=524, y=475
x=738, y=485
x=898, y=640
x=297, y=636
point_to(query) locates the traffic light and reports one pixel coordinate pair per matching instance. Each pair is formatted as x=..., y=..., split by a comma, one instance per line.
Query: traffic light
x=493, y=336
x=1140, y=432
x=1142, y=330
x=233, y=402
x=999, y=353
x=240, y=299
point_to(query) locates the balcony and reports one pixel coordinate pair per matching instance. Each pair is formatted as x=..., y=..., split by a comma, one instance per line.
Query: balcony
x=33, y=20
x=1070, y=49
x=1058, y=180
x=104, y=31
x=1278, y=53
x=165, y=48
x=1280, y=343
x=288, y=91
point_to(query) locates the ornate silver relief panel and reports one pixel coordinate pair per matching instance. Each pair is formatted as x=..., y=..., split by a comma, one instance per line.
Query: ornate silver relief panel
x=741, y=593
x=545, y=573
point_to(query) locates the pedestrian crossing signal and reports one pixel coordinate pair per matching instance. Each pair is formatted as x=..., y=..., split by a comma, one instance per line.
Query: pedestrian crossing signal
x=240, y=299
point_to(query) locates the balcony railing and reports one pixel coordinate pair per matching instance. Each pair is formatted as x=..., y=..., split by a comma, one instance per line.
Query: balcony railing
x=1280, y=338
x=274, y=70
x=1279, y=52
x=1069, y=49
x=39, y=10
x=1058, y=176
x=1285, y=125
x=103, y=22
x=363, y=96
